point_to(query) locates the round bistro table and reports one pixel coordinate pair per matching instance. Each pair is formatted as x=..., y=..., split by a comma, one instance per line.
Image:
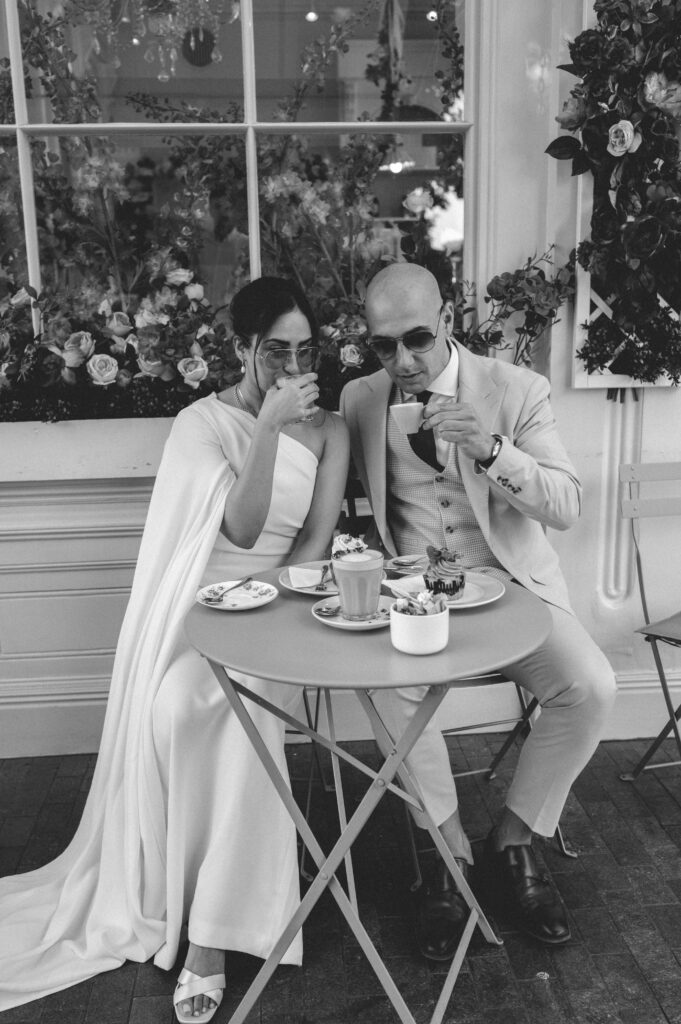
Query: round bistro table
x=283, y=642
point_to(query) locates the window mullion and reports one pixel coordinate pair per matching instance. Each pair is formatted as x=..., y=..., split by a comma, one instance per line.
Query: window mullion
x=24, y=160
x=250, y=117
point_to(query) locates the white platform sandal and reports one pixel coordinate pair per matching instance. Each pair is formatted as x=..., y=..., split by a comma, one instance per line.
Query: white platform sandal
x=190, y=985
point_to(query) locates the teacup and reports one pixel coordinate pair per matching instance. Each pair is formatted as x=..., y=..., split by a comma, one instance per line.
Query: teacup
x=419, y=634
x=358, y=576
x=408, y=416
x=293, y=378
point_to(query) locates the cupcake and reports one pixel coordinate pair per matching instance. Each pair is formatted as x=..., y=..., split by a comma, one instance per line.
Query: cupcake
x=444, y=575
x=346, y=544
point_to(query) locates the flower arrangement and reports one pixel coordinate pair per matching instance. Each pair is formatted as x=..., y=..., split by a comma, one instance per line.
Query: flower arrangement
x=624, y=116
x=94, y=358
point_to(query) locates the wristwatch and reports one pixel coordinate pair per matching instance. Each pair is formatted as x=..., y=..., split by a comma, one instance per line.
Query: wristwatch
x=496, y=448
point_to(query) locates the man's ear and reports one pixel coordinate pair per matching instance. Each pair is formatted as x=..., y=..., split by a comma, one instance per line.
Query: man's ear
x=448, y=315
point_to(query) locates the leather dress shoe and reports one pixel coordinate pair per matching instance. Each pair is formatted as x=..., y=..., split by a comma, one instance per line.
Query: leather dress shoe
x=527, y=893
x=442, y=913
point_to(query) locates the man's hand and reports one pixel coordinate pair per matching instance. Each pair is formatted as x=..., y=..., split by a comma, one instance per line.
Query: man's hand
x=458, y=423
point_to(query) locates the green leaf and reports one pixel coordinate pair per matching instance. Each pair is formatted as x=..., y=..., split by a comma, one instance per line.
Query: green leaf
x=565, y=147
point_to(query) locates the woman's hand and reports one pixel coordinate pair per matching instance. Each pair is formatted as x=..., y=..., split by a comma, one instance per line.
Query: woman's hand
x=289, y=400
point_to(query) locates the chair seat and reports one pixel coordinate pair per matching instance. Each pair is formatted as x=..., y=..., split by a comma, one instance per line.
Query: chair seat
x=665, y=629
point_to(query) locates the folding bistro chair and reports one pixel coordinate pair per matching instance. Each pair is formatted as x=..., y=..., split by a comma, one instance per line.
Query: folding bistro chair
x=668, y=631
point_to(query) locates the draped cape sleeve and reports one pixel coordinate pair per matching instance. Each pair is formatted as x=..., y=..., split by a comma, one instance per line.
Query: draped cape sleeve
x=103, y=900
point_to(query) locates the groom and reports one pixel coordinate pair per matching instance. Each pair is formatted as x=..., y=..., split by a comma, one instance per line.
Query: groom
x=483, y=477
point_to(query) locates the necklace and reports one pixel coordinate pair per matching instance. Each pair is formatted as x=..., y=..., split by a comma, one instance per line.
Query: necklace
x=243, y=404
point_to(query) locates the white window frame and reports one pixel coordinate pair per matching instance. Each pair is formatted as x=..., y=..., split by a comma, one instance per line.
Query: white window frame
x=478, y=95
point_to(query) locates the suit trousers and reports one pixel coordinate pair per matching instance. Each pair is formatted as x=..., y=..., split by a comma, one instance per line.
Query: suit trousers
x=575, y=686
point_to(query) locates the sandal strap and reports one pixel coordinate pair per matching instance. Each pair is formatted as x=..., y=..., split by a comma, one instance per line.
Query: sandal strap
x=190, y=985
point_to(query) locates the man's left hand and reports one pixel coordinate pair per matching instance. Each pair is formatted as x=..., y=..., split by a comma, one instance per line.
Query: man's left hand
x=458, y=423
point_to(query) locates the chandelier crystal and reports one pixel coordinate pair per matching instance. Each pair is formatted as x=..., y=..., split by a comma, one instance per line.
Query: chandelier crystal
x=162, y=27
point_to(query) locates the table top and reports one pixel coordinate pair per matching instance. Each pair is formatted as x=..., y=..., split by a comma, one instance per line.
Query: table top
x=282, y=641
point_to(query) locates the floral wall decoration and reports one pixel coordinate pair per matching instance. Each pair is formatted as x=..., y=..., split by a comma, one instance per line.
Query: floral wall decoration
x=624, y=116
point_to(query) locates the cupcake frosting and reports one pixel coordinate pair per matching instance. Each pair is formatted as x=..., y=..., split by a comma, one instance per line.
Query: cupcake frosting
x=346, y=544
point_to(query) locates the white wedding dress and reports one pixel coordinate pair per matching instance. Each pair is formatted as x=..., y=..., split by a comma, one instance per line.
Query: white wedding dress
x=181, y=823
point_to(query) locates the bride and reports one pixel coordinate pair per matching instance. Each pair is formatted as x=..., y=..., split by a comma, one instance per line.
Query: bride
x=182, y=824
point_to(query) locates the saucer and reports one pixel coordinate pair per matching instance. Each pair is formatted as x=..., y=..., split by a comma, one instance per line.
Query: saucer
x=248, y=595
x=382, y=617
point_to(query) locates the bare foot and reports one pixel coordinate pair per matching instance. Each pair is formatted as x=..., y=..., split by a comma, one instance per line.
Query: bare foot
x=204, y=961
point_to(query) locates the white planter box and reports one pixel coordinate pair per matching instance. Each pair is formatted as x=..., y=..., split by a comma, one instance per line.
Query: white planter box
x=82, y=449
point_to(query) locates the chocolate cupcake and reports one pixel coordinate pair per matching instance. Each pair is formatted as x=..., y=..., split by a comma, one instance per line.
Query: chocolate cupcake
x=444, y=575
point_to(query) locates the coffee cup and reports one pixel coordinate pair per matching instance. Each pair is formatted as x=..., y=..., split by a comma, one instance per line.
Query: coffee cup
x=358, y=576
x=408, y=416
x=291, y=379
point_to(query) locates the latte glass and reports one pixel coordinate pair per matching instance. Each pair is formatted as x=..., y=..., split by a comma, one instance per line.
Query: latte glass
x=358, y=576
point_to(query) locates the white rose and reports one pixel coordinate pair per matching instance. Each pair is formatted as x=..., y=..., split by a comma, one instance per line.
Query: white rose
x=623, y=139
x=103, y=370
x=20, y=298
x=193, y=371
x=119, y=324
x=77, y=348
x=418, y=201
x=351, y=355
x=104, y=308
x=147, y=318
x=194, y=291
x=179, y=276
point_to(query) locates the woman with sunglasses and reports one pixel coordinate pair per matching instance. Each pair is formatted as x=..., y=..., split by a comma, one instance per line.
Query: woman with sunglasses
x=182, y=826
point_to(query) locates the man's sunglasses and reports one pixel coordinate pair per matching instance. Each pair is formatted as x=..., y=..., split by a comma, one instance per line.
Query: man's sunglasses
x=419, y=341
x=278, y=358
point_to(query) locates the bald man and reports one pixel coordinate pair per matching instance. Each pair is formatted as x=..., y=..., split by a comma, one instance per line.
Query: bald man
x=484, y=479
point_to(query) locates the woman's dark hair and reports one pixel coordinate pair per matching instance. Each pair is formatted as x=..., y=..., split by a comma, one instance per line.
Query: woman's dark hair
x=259, y=305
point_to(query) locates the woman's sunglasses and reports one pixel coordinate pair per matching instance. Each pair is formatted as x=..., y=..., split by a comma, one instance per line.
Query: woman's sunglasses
x=419, y=341
x=277, y=358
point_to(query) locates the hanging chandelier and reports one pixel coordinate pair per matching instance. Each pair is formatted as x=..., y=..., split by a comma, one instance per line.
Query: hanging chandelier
x=165, y=28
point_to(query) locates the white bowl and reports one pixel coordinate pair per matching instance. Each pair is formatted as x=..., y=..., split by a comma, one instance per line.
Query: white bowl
x=419, y=634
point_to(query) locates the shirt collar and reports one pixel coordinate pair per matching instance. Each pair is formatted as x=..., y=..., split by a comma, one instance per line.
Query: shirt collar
x=447, y=382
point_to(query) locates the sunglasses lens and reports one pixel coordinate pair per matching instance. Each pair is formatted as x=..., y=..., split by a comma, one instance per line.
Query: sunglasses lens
x=307, y=358
x=418, y=341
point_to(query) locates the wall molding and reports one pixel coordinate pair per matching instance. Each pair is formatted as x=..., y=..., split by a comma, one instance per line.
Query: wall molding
x=52, y=716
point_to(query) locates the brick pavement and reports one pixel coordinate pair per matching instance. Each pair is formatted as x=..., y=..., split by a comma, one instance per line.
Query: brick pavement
x=622, y=966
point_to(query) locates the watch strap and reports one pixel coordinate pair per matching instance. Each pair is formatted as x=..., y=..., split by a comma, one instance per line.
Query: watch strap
x=496, y=448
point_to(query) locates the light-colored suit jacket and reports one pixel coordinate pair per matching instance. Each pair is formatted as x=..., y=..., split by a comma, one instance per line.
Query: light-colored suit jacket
x=531, y=485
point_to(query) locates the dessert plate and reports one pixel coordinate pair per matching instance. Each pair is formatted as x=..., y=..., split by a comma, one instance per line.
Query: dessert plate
x=241, y=599
x=311, y=571
x=480, y=589
x=334, y=618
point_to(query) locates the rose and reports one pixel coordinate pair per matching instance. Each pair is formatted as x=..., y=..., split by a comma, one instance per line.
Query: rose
x=77, y=348
x=498, y=286
x=119, y=324
x=179, y=276
x=623, y=138
x=123, y=378
x=619, y=53
x=586, y=50
x=659, y=130
x=148, y=318
x=57, y=330
x=658, y=91
x=574, y=113
x=193, y=371
x=642, y=237
x=155, y=368
x=103, y=370
x=194, y=291
x=4, y=343
x=351, y=355
x=20, y=298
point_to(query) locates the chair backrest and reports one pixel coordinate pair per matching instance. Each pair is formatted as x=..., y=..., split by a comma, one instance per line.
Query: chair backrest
x=636, y=507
